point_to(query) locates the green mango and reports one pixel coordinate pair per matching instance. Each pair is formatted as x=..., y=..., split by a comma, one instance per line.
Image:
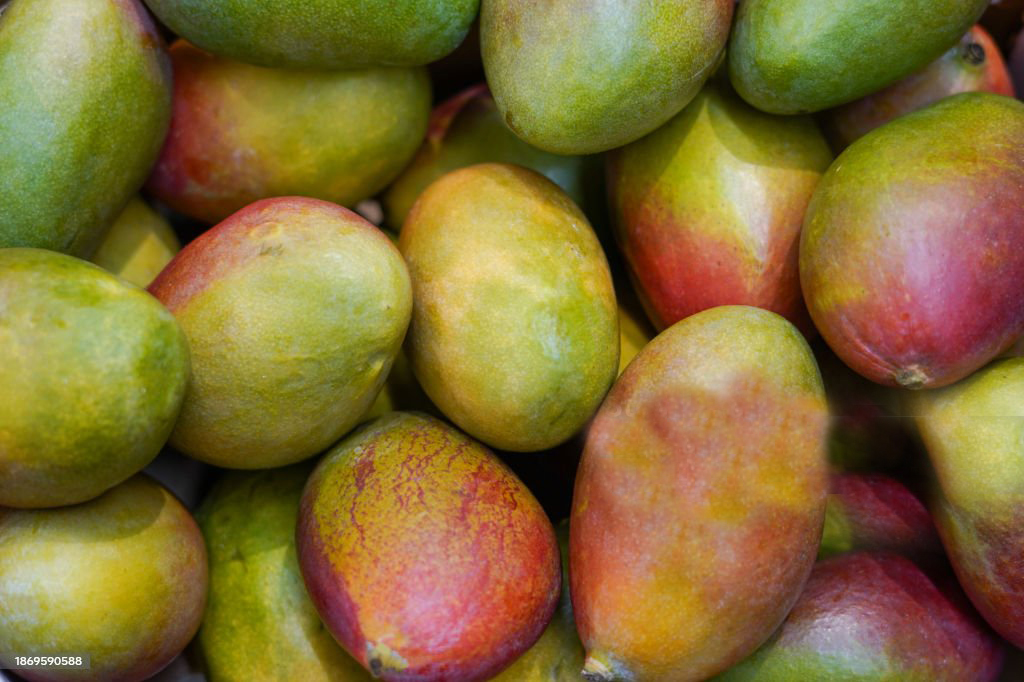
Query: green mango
x=582, y=76
x=259, y=623
x=94, y=372
x=802, y=56
x=329, y=34
x=86, y=93
x=138, y=245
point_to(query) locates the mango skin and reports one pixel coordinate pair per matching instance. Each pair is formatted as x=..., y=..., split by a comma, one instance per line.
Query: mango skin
x=241, y=133
x=324, y=34
x=707, y=209
x=259, y=624
x=700, y=498
x=467, y=129
x=121, y=577
x=294, y=309
x=909, y=257
x=581, y=76
x=138, y=245
x=799, y=56
x=94, y=375
x=876, y=617
x=425, y=556
x=973, y=432
x=972, y=65
x=86, y=92
x=514, y=333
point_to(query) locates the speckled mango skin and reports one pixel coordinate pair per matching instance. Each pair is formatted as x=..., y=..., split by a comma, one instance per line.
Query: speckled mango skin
x=93, y=378
x=138, y=245
x=467, y=129
x=121, y=577
x=875, y=617
x=240, y=133
x=700, y=498
x=514, y=333
x=974, y=433
x=708, y=208
x=86, y=92
x=802, y=56
x=426, y=558
x=582, y=76
x=324, y=34
x=877, y=513
x=259, y=624
x=972, y=65
x=294, y=309
x=910, y=257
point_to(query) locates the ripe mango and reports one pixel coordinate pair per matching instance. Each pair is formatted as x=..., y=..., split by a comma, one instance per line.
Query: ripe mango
x=322, y=34
x=425, y=556
x=707, y=209
x=242, y=133
x=138, y=245
x=514, y=333
x=700, y=498
x=583, y=76
x=974, y=433
x=910, y=257
x=259, y=624
x=94, y=374
x=86, y=93
x=802, y=56
x=294, y=309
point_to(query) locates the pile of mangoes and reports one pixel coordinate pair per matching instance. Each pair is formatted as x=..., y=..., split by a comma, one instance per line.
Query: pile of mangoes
x=460, y=340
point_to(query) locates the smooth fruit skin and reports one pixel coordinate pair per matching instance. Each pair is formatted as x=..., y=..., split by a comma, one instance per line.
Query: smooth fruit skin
x=583, y=76
x=425, y=556
x=514, y=333
x=138, y=245
x=878, y=513
x=322, y=34
x=294, y=309
x=86, y=92
x=700, y=498
x=973, y=65
x=93, y=378
x=875, y=617
x=467, y=129
x=240, y=133
x=802, y=56
x=911, y=257
x=259, y=624
x=708, y=208
x=974, y=433
x=122, y=578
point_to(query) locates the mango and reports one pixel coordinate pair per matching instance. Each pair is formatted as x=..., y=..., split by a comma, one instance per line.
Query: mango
x=294, y=309
x=426, y=558
x=972, y=65
x=634, y=333
x=321, y=34
x=877, y=513
x=86, y=92
x=874, y=617
x=121, y=578
x=974, y=434
x=581, y=76
x=94, y=375
x=909, y=257
x=467, y=129
x=240, y=133
x=802, y=56
x=259, y=623
x=700, y=498
x=514, y=333
x=708, y=208
x=138, y=245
